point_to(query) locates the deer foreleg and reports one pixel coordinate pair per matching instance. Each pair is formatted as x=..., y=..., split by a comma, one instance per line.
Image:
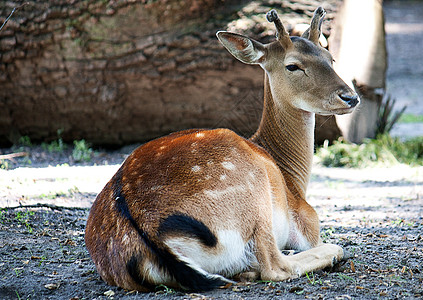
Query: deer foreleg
x=320, y=257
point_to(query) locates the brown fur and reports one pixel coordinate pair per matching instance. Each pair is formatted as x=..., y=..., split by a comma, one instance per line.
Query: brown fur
x=219, y=183
x=158, y=182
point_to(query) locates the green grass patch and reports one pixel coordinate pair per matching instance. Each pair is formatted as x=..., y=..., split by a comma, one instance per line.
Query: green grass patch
x=410, y=118
x=312, y=279
x=81, y=151
x=25, y=141
x=384, y=150
x=163, y=289
x=57, y=145
x=24, y=219
x=4, y=164
x=3, y=212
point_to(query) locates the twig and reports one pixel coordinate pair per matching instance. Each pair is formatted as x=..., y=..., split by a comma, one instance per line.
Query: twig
x=44, y=205
x=13, y=10
x=11, y=156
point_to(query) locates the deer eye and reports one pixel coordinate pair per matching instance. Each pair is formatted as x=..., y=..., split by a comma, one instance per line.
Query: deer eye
x=292, y=68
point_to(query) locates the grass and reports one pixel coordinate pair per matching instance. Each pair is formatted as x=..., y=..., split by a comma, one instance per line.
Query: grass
x=4, y=164
x=410, y=118
x=25, y=141
x=57, y=145
x=3, y=213
x=387, y=116
x=163, y=289
x=42, y=259
x=345, y=277
x=24, y=219
x=17, y=294
x=52, y=195
x=327, y=233
x=81, y=151
x=312, y=280
x=18, y=271
x=384, y=150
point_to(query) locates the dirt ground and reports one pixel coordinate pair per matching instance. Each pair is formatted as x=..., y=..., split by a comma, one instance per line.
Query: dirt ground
x=375, y=214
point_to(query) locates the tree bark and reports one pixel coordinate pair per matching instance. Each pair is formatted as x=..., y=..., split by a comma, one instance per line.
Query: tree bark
x=119, y=72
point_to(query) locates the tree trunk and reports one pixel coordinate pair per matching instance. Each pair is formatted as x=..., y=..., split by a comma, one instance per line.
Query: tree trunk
x=358, y=45
x=118, y=72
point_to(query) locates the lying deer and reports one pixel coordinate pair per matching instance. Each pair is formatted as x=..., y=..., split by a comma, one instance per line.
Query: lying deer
x=193, y=208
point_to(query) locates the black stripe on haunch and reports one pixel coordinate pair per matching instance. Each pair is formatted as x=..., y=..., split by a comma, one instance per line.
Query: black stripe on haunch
x=187, y=277
x=188, y=226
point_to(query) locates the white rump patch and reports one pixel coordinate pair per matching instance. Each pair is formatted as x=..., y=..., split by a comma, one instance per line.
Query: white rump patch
x=199, y=135
x=233, y=254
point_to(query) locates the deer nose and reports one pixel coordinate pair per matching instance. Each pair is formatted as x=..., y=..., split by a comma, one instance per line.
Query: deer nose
x=351, y=100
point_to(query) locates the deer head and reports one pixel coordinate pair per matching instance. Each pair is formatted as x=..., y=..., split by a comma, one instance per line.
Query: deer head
x=299, y=70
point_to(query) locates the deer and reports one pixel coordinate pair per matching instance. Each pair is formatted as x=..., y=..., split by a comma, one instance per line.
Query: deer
x=200, y=208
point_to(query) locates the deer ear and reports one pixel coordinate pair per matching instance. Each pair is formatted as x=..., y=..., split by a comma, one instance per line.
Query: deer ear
x=242, y=48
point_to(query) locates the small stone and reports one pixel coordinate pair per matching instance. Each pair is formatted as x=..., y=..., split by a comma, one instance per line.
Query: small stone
x=52, y=286
x=109, y=293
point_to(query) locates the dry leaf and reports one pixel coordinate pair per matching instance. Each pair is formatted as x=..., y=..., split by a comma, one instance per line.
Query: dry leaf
x=226, y=286
x=196, y=296
x=236, y=289
x=352, y=266
x=69, y=242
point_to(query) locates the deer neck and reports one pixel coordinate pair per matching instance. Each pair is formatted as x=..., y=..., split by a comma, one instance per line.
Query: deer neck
x=287, y=133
